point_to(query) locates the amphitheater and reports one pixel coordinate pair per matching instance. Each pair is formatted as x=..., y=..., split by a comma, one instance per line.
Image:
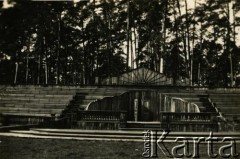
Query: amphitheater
x=119, y=110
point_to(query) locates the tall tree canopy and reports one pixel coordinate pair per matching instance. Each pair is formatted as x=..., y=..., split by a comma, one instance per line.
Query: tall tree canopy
x=77, y=43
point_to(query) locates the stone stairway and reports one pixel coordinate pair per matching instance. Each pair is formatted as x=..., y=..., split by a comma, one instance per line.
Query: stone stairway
x=227, y=104
x=226, y=100
x=111, y=135
x=83, y=103
x=200, y=99
x=141, y=126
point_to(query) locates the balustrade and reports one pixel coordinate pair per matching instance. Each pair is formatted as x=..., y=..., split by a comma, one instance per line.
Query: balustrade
x=98, y=115
x=93, y=119
x=185, y=117
x=188, y=121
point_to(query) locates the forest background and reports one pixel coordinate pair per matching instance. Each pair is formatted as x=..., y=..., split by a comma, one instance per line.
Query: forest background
x=70, y=43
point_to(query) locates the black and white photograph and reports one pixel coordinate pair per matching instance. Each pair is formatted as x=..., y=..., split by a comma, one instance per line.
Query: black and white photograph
x=119, y=79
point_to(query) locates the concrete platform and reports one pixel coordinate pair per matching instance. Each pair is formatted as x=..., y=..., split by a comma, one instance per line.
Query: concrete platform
x=110, y=135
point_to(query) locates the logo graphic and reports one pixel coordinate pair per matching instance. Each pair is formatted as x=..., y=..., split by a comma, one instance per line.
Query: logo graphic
x=181, y=148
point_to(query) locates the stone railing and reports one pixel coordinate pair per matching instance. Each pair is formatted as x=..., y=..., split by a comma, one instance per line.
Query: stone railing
x=94, y=119
x=189, y=121
x=93, y=115
x=185, y=117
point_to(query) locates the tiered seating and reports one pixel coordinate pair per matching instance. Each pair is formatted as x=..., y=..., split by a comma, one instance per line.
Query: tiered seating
x=32, y=104
x=34, y=100
x=227, y=103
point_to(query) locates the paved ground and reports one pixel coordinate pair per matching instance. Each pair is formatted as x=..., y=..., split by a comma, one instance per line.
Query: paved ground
x=91, y=144
x=30, y=148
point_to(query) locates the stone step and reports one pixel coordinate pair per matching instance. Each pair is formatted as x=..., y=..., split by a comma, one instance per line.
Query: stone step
x=223, y=91
x=231, y=116
x=225, y=97
x=224, y=94
x=187, y=95
x=50, y=88
x=227, y=104
x=62, y=92
x=33, y=100
x=7, y=104
x=38, y=95
x=29, y=135
x=109, y=136
x=195, y=99
x=114, y=93
x=30, y=114
x=32, y=110
x=83, y=101
x=17, y=116
x=120, y=134
x=231, y=110
x=133, y=124
x=33, y=105
x=27, y=114
x=91, y=97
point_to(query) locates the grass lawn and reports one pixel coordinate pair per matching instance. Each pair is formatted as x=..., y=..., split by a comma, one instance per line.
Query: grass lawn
x=26, y=148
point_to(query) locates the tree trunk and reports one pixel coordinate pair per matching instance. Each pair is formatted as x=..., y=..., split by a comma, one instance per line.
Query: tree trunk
x=184, y=40
x=164, y=35
x=84, y=58
x=201, y=49
x=58, y=49
x=193, y=44
x=46, y=63
x=199, y=73
x=175, y=72
x=46, y=74
x=228, y=46
x=16, y=73
x=188, y=43
x=131, y=41
x=128, y=26
x=27, y=68
x=39, y=68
